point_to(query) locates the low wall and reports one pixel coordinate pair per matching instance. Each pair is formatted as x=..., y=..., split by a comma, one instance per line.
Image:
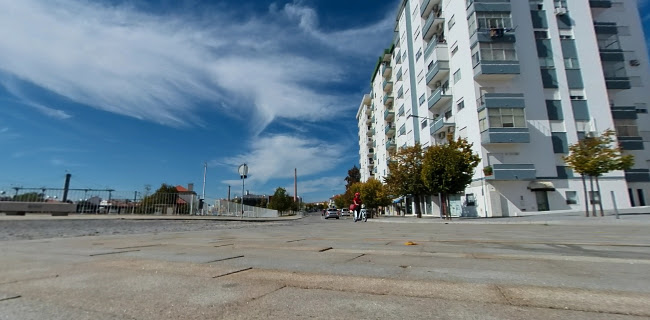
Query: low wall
x=20, y=208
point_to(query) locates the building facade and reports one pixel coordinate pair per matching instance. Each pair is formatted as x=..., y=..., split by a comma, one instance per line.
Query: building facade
x=521, y=80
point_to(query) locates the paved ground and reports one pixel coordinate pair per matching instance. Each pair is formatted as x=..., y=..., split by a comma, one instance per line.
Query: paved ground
x=337, y=269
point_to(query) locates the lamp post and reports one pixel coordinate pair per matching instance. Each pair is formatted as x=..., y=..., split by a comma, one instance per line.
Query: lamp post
x=243, y=173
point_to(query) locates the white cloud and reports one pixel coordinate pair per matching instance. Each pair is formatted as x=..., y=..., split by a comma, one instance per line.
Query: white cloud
x=274, y=157
x=156, y=67
x=333, y=185
x=4, y=130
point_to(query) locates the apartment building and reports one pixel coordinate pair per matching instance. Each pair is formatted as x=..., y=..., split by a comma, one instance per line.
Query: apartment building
x=521, y=80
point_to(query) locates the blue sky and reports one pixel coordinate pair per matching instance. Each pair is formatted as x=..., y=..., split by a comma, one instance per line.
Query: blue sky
x=127, y=93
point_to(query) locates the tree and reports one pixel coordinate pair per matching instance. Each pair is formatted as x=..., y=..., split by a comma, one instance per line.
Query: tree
x=165, y=196
x=30, y=197
x=348, y=196
x=405, y=175
x=374, y=194
x=448, y=169
x=595, y=156
x=354, y=176
x=339, y=201
x=280, y=200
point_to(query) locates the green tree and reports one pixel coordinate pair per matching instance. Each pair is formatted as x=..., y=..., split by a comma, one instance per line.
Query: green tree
x=280, y=200
x=30, y=197
x=166, y=196
x=593, y=157
x=354, y=176
x=348, y=196
x=374, y=194
x=448, y=169
x=405, y=175
x=339, y=201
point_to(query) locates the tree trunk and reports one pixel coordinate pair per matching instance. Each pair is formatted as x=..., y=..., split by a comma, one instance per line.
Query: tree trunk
x=443, y=206
x=418, y=212
x=600, y=198
x=593, y=203
x=448, y=207
x=584, y=187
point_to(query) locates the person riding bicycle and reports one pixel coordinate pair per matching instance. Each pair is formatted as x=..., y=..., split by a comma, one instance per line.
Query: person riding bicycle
x=357, y=206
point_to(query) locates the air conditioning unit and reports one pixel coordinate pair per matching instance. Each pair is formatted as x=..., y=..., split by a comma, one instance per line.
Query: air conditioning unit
x=635, y=63
x=560, y=11
x=436, y=115
x=442, y=135
x=438, y=84
x=450, y=129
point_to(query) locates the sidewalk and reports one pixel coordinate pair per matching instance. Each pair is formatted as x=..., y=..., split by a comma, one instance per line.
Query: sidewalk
x=47, y=216
x=637, y=215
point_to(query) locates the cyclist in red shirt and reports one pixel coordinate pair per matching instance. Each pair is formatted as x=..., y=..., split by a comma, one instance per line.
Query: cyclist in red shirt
x=357, y=206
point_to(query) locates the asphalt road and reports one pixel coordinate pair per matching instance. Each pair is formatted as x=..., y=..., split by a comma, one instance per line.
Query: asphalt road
x=312, y=268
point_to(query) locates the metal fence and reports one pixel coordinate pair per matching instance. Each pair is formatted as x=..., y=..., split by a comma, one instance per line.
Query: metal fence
x=232, y=209
x=108, y=201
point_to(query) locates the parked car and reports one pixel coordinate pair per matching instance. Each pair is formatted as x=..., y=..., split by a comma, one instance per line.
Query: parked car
x=332, y=213
x=345, y=212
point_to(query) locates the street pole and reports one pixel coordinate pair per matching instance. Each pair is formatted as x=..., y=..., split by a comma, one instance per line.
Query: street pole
x=243, y=172
x=205, y=171
x=615, y=207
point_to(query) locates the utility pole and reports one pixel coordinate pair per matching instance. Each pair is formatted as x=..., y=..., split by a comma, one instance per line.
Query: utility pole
x=295, y=184
x=66, y=187
x=205, y=171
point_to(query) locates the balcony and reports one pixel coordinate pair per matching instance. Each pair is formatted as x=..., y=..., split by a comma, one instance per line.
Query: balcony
x=386, y=70
x=369, y=142
x=391, y=145
x=366, y=99
x=389, y=114
x=441, y=125
x=495, y=70
x=439, y=47
x=371, y=132
x=439, y=72
x=388, y=100
x=501, y=100
x=368, y=120
x=439, y=98
x=390, y=131
x=512, y=172
x=630, y=143
x=388, y=86
x=434, y=25
x=427, y=6
x=600, y=3
x=505, y=135
x=637, y=175
x=618, y=83
x=371, y=163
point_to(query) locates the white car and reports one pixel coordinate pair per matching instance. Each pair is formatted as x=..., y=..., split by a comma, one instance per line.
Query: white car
x=345, y=212
x=332, y=213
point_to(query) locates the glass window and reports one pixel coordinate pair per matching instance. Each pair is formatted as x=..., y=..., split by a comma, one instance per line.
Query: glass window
x=504, y=118
x=422, y=99
x=571, y=197
x=418, y=54
x=571, y=63
x=457, y=76
x=460, y=105
x=491, y=20
x=626, y=127
x=608, y=41
x=498, y=51
x=614, y=69
x=482, y=120
x=423, y=124
x=452, y=22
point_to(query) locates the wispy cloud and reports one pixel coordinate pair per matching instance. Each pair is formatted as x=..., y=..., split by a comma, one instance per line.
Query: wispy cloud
x=60, y=162
x=325, y=184
x=157, y=67
x=276, y=157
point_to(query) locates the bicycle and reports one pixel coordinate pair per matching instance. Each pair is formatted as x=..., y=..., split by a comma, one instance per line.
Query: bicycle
x=362, y=214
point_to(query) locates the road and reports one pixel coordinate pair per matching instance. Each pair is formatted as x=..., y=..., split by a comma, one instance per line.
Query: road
x=312, y=268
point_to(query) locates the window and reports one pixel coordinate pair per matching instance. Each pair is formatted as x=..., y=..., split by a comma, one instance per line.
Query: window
x=418, y=54
x=559, y=140
x=626, y=128
x=641, y=110
x=452, y=22
x=541, y=34
x=423, y=124
x=417, y=34
x=594, y=197
x=566, y=36
x=457, y=76
x=498, y=51
x=608, y=41
x=546, y=63
x=422, y=99
x=404, y=57
x=577, y=97
x=460, y=105
x=483, y=21
x=402, y=130
x=571, y=63
x=501, y=118
x=470, y=200
x=448, y=114
x=571, y=197
x=415, y=11
x=420, y=76
x=454, y=50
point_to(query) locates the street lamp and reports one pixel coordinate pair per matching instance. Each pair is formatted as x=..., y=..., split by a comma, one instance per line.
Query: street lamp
x=243, y=174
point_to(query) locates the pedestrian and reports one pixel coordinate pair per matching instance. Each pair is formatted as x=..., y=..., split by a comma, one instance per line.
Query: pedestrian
x=357, y=206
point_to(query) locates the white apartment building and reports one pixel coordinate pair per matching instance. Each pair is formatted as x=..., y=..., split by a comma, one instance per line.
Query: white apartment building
x=521, y=80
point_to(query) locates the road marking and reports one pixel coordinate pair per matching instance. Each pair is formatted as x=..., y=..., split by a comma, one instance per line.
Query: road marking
x=359, y=256
x=325, y=249
x=10, y=298
x=147, y=246
x=229, y=273
x=225, y=245
x=114, y=252
x=296, y=240
x=224, y=259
